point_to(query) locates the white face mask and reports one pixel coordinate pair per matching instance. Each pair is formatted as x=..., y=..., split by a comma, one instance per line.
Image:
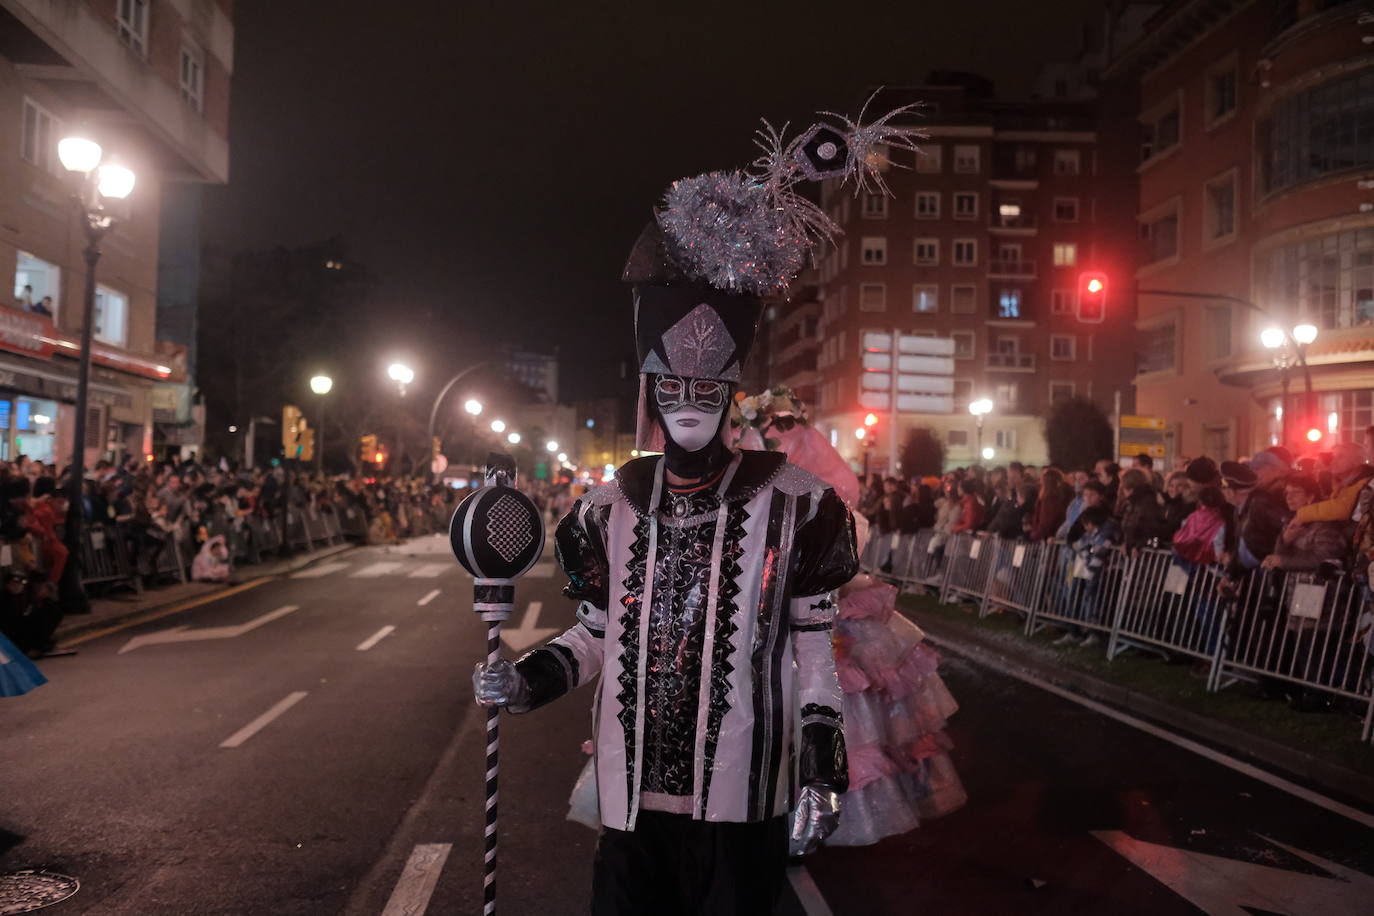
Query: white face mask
x=692, y=428
x=691, y=409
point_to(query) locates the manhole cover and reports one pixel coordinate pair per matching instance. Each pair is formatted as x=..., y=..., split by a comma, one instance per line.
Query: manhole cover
x=33, y=889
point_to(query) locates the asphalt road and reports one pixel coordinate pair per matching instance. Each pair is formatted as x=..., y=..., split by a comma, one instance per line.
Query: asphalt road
x=280, y=751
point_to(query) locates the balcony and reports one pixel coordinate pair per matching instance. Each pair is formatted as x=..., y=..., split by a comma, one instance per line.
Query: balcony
x=1011, y=362
x=1021, y=224
x=1003, y=269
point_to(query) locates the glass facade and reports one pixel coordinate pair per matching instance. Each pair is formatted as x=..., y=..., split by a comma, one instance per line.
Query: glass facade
x=1328, y=281
x=1325, y=129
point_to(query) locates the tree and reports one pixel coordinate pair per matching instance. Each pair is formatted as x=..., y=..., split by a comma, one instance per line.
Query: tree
x=1078, y=432
x=923, y=454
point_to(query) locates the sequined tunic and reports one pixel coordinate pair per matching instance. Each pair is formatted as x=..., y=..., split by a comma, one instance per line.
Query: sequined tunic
x=708, y=620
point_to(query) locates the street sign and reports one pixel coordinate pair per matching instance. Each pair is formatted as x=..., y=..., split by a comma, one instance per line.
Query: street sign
x=1142, y=436
x=439, y=464
x=1130, y=422
x=1131, y=449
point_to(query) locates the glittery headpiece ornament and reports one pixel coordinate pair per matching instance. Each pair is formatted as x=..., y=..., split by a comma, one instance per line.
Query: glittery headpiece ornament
x=751, y=231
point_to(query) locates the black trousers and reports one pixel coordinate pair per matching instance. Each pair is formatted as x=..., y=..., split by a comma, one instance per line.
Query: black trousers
x=671, y=865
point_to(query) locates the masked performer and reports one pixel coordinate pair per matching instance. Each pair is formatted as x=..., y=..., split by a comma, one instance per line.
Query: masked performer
x=895, y=703
x=706, y=575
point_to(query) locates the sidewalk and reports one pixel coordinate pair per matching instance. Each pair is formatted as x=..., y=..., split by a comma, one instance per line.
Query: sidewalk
x=107, y=613
x=1316, y=748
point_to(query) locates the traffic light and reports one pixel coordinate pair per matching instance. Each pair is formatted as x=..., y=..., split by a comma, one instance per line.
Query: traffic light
x=305, y=448
x=291, y=425
x=368, y=452
x=1092, y=297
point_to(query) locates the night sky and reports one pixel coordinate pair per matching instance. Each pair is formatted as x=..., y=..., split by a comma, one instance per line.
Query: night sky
x=492, y=163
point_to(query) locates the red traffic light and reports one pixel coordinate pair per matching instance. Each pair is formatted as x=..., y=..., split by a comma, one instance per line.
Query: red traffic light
x=1092, y=297
x=1314, y=435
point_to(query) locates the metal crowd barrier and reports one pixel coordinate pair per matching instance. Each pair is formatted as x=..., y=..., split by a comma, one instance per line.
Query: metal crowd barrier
x=1289, y=629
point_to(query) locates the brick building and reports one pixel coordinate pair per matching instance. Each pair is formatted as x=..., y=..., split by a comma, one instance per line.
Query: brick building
x=983, y=242
x=149, y=80
x=1256, y=125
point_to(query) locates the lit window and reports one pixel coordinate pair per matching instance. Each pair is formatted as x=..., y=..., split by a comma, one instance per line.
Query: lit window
x=111, y=316
x=1067, y=162
x=927, y=205
x=874, y=250
x=1063, y=346
x=37, y=284
x=192, y=77
x=966, y=252
x=1065, y=254
x=925, y=297
x=131, y=24
x=966, y=159
x=1009, y=302
x=926, y=252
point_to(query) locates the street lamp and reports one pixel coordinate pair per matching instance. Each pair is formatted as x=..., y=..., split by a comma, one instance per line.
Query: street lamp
x=513, y=438
x=102, y=188
x=563, y=457
x=498, y=426
x=1287, y=347
x=402, y=375
x=551, y=445
x=980, y=408
x=473, y=406
x=988, y=453
x=321, y=385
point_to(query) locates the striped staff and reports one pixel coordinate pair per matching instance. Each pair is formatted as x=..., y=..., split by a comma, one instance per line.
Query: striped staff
x=497, y=533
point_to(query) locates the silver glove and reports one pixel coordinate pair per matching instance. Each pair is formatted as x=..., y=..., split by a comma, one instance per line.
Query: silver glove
x=499, y=684
x=816, y=816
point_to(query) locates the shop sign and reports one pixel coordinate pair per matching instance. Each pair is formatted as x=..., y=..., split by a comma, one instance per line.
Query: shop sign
x=23, y=332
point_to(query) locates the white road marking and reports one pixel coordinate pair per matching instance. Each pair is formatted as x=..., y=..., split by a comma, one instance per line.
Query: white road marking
x=319, y=572
x=1278, y=782
x=1222, y=886
x=183, y=634
x=542, y=571
x=264, y=720
x=375, y=638
x=809, y=895
x=430, y=570
x=527, y=635
x=410, y=896
x=381, y=568
x=429, y=596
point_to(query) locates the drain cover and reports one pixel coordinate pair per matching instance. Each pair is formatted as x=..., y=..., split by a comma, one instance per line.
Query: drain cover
x=33, y=889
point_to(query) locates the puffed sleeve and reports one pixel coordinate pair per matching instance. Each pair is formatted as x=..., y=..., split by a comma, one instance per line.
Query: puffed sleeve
x=573, y=658
x=825, y=559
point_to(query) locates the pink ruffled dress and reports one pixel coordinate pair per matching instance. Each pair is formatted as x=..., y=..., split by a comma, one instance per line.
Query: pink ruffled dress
x=895, y=709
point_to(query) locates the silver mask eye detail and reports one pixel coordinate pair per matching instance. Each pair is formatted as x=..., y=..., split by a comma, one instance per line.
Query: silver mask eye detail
x=673, y=392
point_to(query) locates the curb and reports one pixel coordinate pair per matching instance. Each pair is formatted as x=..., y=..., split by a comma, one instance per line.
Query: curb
x=82, y=625
x=1221, y=736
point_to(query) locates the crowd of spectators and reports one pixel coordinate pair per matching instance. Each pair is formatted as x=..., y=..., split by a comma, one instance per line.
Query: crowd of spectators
x=150, y=507
x=1313, y=514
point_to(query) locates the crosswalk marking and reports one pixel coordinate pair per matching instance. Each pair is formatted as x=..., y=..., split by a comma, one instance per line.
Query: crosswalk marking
x=430, y=570
x=418, y=879
x=318, y=572
x=429, y=596
x=382, y=568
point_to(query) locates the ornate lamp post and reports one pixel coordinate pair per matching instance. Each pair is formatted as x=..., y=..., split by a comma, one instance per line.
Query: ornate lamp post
x=1286, y=348
x=980, y=408
x=99, y=201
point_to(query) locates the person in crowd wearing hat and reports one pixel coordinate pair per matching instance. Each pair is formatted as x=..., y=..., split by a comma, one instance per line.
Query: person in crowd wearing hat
x=1261, y=517
x=706, y=576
